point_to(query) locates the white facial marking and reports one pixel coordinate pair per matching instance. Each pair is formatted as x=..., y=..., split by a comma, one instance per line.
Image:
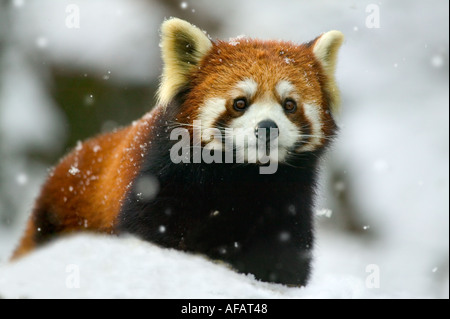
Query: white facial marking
x=286, y=89
x=247, y=87
x=210, y=112
x=312, y=113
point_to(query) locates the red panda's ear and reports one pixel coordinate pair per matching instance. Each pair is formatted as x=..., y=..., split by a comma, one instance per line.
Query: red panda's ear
x=183, y=46
x=325, y=49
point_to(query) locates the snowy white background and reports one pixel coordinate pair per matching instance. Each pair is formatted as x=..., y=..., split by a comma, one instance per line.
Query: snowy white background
x=392, y=153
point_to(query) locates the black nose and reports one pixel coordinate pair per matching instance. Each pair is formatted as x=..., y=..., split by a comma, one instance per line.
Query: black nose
x=268, y=127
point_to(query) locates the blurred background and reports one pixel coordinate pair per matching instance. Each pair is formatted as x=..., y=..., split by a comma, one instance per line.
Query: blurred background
x=72, y=69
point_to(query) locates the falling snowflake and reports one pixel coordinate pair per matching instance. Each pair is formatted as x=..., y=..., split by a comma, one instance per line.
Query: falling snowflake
x=22, y=179
x=288, y=60
x=437, y=61
x=41, y=42
x=284, y=236
x=324, y=212
x=18, y=3
x=74, y=170
x=235, y=41
x=79, y=146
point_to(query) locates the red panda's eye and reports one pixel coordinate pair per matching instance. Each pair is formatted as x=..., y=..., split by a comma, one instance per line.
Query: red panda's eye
x=290, y=106
x=240, y=104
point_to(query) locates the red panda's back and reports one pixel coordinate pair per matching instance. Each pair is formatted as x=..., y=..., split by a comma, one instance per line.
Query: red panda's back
x=85, y=190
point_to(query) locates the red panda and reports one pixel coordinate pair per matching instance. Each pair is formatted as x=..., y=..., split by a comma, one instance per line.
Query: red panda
x=271, y=96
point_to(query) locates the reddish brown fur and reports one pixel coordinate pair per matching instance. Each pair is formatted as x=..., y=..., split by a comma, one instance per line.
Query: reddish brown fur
x=86, y=189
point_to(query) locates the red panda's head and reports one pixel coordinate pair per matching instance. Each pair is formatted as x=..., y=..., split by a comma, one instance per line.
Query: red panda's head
x=251, y=87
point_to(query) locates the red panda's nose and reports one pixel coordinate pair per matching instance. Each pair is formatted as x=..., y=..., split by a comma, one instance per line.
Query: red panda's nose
x=270, y=128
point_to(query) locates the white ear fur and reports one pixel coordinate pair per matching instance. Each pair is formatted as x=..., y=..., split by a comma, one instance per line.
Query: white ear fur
x=182, y=45
x=326, y=49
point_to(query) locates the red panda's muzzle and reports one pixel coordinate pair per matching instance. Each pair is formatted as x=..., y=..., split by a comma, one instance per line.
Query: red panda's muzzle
x=269, y=128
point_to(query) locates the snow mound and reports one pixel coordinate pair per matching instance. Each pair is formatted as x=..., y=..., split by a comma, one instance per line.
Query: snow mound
x=96, y=266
